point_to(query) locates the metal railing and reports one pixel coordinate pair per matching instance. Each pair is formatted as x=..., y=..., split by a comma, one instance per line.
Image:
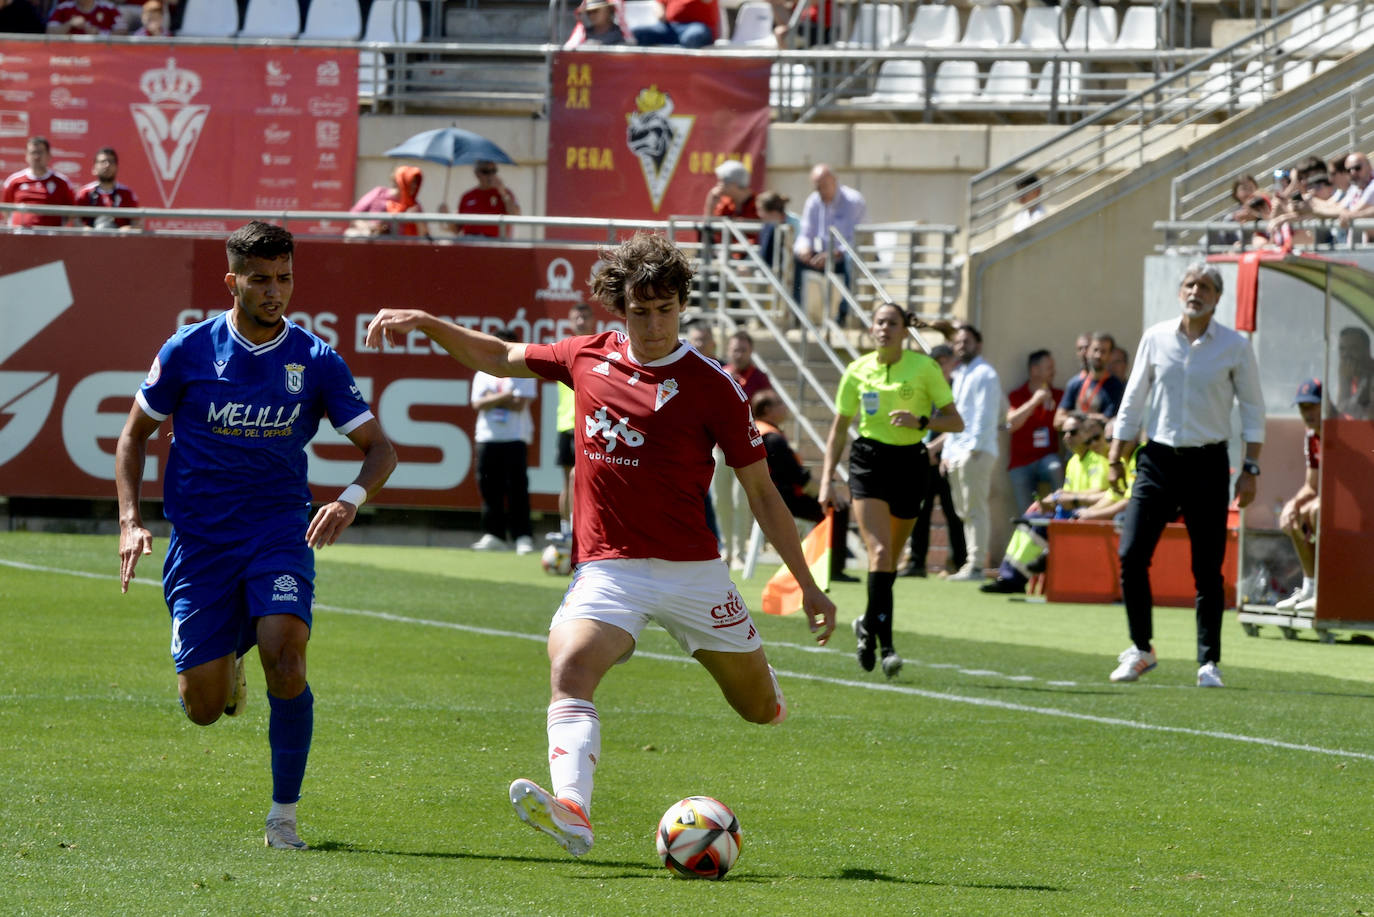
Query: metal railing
x=1216, y=236
x=1087, y=156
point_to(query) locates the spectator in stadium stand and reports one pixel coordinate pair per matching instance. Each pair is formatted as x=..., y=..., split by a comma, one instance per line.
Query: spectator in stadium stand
x=1119, y=364
x=490, y=196
x=1354, y=395
x=641, y=548
x=599, y=22
x=239, y=569
x=398, y=197
x=107, y=191
x=86, y=17
x=581, y=321
x=1080, y=349
x=1306, y=182
x=19, y=17
x=739, y=351
x=37, y=184
x=773, y=213
x=1032, y=211
x=1188, y=374
x=689, y=23
x=1094, y=390
x=505, y=428
x=1357, y=203
x=936, y=488
x=1034, y=450
x=830, y=204
x=1340, y=177
x=794, y=481
x=730, y=195
x=1299, y=515
x=153, y=21
x=898, y=394
x=814, y=27
x=1085, y=496
x=971, y=453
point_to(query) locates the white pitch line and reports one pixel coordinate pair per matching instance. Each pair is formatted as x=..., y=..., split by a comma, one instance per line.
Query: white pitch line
x=811, y=676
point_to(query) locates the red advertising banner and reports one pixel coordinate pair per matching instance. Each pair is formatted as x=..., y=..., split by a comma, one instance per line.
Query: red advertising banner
x=244, y=128
x=634, y=136
x=81, y=318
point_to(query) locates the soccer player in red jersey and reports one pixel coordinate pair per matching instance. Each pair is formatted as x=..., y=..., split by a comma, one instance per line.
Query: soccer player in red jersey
x=649, y=409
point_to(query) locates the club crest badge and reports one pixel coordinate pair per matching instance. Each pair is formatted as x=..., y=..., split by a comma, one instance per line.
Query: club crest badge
x=656, y=136
x=168, y=124
x=666, y=390
x=295, y=378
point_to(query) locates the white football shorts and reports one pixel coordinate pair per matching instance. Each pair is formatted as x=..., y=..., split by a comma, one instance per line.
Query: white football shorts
x=694, y=601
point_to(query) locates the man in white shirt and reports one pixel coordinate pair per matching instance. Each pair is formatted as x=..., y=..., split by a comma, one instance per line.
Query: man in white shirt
x=970, y=456
x=505, y=428
x=831, y=204
x=1187, y=374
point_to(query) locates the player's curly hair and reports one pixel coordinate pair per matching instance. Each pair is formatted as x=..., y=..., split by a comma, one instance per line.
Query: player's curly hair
x=257, y=240
x=646, y=266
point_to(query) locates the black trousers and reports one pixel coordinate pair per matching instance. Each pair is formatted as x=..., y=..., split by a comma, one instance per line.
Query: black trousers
x=1197, y=483
x=937, y=488
x=504, y=483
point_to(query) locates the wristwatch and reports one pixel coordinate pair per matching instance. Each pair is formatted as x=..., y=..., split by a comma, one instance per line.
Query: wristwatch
x=1250, y=468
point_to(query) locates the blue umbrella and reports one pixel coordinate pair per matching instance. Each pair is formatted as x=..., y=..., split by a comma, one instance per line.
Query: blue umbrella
x=449, y=146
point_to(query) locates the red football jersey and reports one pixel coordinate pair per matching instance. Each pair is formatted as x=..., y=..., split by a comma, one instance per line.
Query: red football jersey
x=23, y=187
x=101, y=20
x=92, y=195
x=642, y=441
x=483, y=201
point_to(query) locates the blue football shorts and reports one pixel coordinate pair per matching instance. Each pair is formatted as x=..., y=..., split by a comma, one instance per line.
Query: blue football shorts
x=215, y=592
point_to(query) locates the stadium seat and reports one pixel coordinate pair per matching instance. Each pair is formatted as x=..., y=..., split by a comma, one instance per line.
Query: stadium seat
x=1255, y=84
x=210, y=19
x=789, y=85
x=956, y=83
x=1070, y=84
x=341, y=20
x=1337, y=28
x=1304, y=29
x=753, y=26
x=1093, y=29
x=1040, y=28
x=1008, y=83
x=900, y=82
x=1295, y=73
x=989, y=27
x=640, y=12
x=934, y=26
x=394, y=20
x=1139, y=29
x=878, y=26
x=271, y=19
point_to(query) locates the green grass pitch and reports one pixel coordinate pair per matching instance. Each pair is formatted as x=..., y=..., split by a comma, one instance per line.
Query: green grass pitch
x=999, y=774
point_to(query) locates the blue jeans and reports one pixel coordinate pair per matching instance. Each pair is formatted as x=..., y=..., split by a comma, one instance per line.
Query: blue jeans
x=686, y=34
x=1025, y=479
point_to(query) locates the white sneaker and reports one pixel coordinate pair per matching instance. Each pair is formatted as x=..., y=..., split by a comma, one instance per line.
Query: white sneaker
x=1209, y=676
x=561, y=819
x=1134, y=663
x=1306, y=590
x=490, y=542
x=966, y=574
x=1307, y=604
x=238, y=698
x=524, y=545
x=281, y=833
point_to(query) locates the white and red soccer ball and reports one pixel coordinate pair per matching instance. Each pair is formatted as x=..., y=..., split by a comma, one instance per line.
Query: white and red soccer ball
x=698, y=838
x=556, y=560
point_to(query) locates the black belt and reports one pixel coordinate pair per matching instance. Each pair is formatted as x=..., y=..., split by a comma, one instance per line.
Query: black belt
x=1188, y=450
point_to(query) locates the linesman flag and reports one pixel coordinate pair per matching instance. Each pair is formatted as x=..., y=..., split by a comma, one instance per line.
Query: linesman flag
x=782, y=594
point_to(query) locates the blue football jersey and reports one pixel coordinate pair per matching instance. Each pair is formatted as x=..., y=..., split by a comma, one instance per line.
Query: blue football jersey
x=242, y=414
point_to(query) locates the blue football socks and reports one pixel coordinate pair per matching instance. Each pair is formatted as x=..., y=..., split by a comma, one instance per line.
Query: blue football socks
x=290, y=727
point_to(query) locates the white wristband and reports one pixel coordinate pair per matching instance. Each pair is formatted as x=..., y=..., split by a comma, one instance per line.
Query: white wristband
x=355, y=494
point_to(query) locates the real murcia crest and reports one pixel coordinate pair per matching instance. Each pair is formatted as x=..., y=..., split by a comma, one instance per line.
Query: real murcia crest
x=656, y=136
x=295, y=378
x=169, y=126
x=666, y=390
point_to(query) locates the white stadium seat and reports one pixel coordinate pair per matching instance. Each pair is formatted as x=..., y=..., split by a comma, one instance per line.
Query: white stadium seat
x=934, y=26
x=341, y=20
x=956, y=82
x=1009, y=82
x=753, y=26
x=1139, y=29
x=210, y=19
x=989, y=27
x=271, y=19
x=878, y=26
x=1093, y=29
x=1040, y=28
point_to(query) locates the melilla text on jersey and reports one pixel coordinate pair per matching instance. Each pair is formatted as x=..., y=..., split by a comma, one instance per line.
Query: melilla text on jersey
x=251, y=421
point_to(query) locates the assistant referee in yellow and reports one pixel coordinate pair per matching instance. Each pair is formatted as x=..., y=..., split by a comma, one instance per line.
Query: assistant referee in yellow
x=898, y=395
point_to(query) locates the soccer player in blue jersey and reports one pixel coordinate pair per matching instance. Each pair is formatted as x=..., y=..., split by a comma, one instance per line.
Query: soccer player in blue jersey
x=248, y=390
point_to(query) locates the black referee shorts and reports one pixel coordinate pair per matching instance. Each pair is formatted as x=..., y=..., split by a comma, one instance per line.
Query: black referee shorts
x=894, y=474
x=565, y=449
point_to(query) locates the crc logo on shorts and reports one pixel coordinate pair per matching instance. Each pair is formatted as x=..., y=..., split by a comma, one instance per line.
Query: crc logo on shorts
x=295, y=378
x=730, y=612
x=284, y=589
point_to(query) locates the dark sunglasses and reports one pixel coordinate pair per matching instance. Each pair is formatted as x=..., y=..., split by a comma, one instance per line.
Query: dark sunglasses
x=486, y=171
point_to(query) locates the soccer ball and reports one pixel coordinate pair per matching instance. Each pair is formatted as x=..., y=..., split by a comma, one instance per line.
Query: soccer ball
x=698, y=838
x=556, y=560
